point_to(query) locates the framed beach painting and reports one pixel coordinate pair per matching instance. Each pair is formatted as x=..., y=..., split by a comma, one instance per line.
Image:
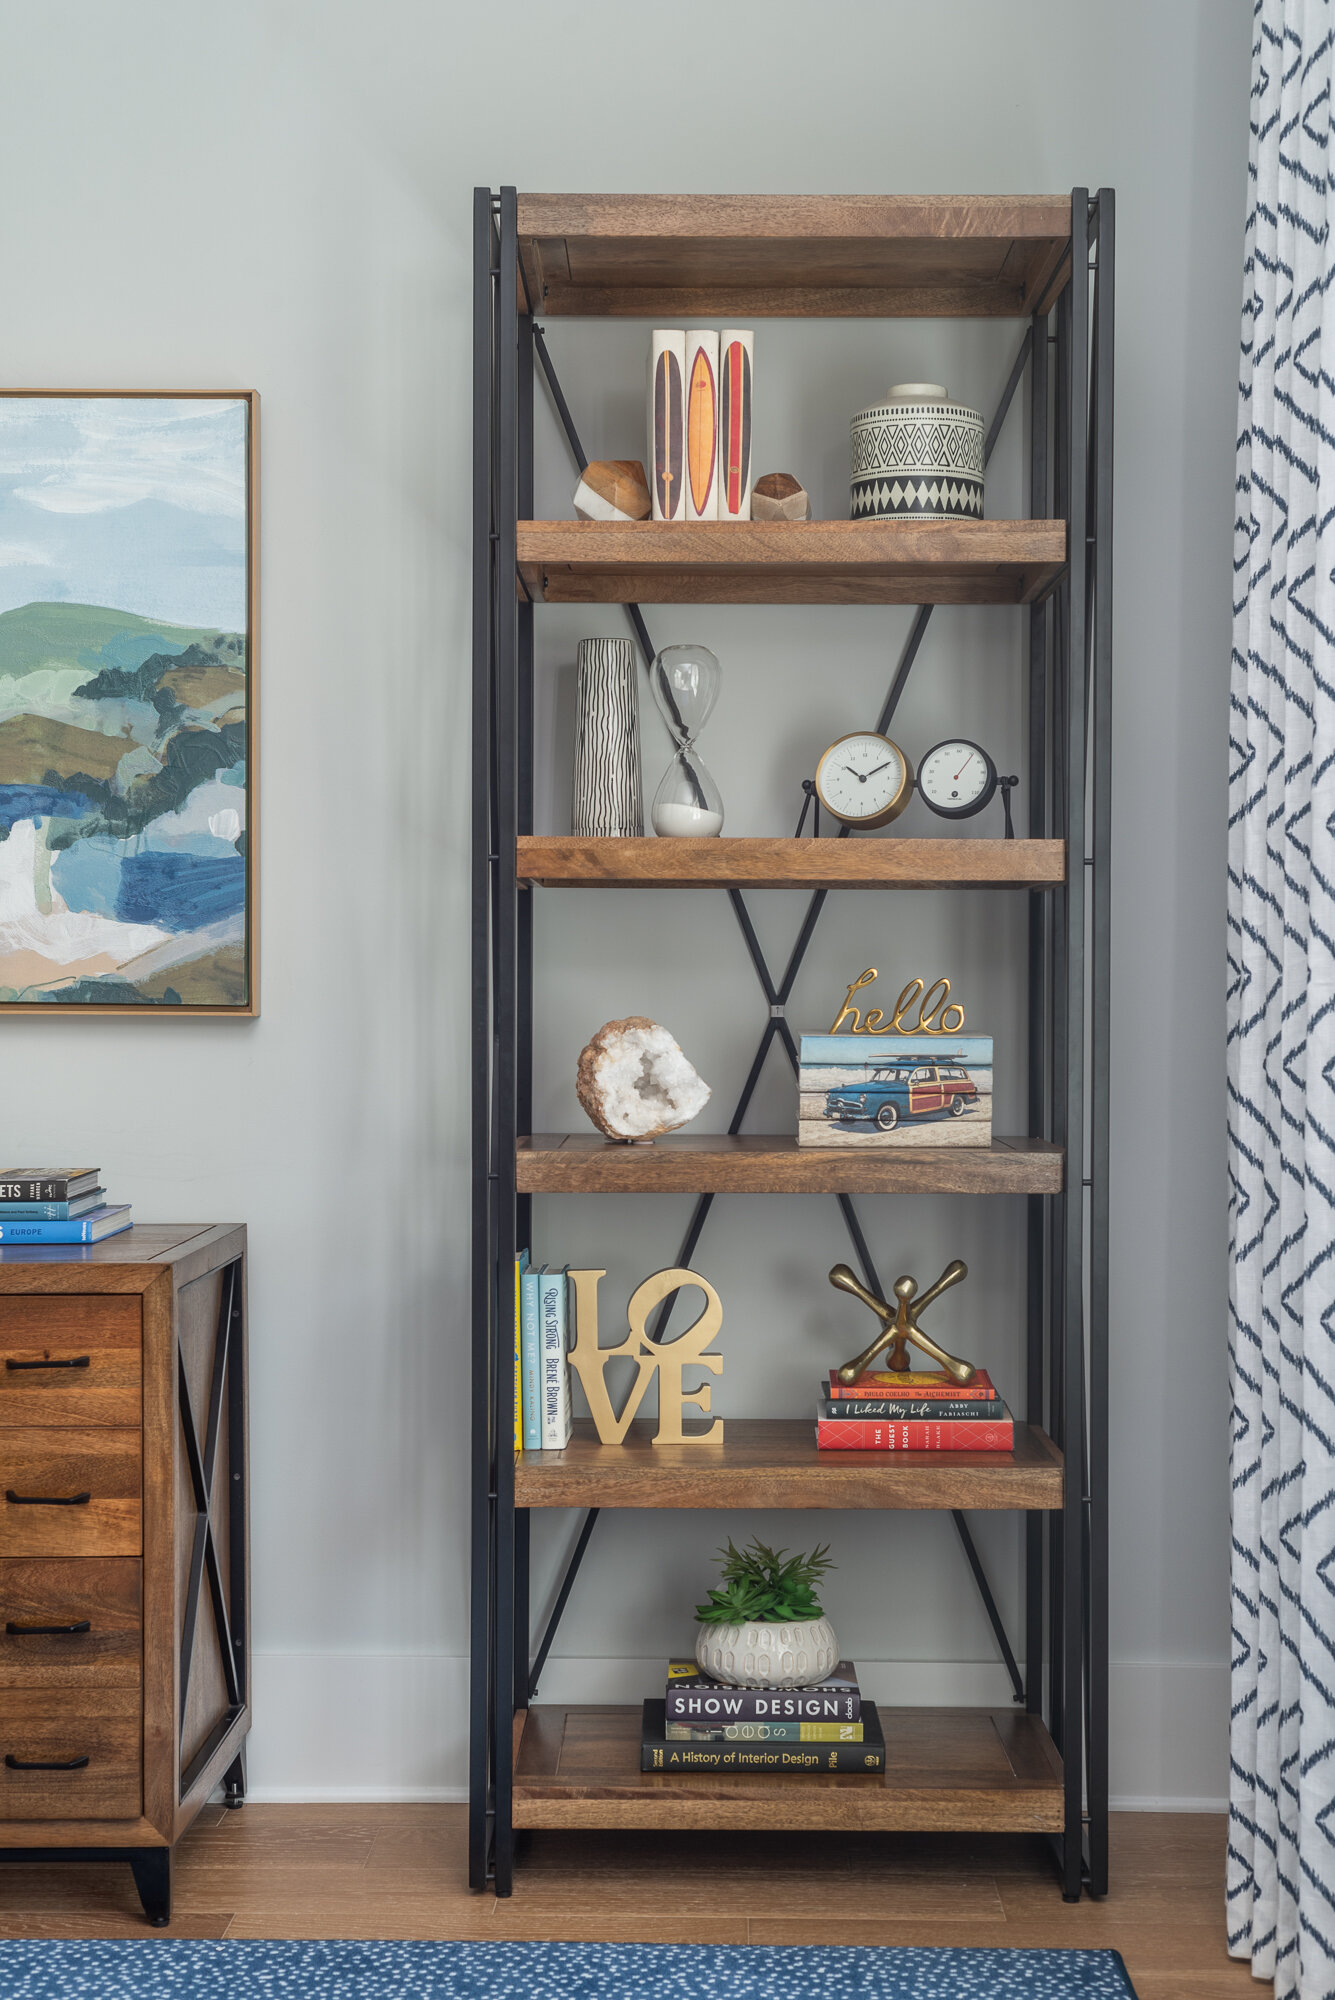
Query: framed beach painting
x=127, y=703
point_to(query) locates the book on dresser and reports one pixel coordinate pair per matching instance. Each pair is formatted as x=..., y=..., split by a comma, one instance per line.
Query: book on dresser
x=60, y=1184
x=92, y=1227
x=57, y=1205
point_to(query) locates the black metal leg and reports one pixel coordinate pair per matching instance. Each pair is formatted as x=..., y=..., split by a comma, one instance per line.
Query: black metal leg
x=234, y=1781
x=152, y=1869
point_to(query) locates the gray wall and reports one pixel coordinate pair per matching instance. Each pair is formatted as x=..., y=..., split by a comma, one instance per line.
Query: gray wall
x=278, y=196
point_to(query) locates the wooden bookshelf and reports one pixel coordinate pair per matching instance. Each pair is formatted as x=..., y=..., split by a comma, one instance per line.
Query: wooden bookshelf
x=789, y=562
x=773, y=1462
x=959, y=1770
x=746, y=1163
x=859, y=862
x=767, y=256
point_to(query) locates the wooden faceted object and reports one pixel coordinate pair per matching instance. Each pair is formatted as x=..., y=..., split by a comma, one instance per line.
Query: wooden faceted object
x=779, y=497
x=634, y=1082
x=589, y=1360
x=613, y=489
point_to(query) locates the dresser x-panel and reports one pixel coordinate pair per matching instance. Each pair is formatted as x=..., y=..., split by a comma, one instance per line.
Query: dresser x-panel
x=777, y=997
x=202, y=1461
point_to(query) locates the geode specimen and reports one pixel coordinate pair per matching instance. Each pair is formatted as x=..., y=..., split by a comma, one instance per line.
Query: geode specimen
x=634, y=1081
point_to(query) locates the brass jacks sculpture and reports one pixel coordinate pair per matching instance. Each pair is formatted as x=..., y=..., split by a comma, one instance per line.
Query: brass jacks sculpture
x=899, y=1324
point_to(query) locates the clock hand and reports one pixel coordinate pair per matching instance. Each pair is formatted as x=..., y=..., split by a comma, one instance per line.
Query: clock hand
x=859, y=775
x=879, y=767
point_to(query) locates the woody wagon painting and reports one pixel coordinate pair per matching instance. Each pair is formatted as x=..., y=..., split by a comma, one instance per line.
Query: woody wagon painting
x=895, y=1090
x=126, y=703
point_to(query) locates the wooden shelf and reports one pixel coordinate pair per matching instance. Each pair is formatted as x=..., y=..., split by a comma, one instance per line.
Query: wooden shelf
x=789, y=562
x=867, y=862
x=958, y=1770
x=746, y=1163
x=773, y=1462
x=784, y=256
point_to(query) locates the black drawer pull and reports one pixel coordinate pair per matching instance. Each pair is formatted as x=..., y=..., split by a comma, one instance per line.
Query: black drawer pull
x=13, y=1631
x=80, y=1361
x=45, y=1499
x=17, y=1764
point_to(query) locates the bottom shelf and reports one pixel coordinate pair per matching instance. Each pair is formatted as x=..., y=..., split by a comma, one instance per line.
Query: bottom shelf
x=956, y=1770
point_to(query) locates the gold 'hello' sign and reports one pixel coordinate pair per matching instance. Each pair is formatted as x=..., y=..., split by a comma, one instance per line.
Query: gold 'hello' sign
x=938, y=1014
x=589, y=1360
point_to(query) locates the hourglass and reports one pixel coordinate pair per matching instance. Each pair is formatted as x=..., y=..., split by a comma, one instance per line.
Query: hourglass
x=685, y=682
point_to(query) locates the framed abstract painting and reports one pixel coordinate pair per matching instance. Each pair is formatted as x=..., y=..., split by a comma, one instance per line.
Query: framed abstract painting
x=127, y=703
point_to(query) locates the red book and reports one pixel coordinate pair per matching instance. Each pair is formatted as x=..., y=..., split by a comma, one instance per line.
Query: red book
x=875, y=1434
x=918, y=1385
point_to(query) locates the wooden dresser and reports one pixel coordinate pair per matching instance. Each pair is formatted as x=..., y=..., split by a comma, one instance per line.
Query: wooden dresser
x=124, y=1572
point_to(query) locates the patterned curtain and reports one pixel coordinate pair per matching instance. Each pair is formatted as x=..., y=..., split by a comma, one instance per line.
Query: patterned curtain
x=1281, y=1029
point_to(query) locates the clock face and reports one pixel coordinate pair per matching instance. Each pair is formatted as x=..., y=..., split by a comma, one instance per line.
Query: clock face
x=864, y=779
x=957, y=778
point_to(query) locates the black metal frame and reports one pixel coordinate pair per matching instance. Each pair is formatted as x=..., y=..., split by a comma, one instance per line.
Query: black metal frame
x=1069, y=689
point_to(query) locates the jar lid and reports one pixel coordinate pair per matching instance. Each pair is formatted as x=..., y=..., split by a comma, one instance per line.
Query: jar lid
x=917, y=392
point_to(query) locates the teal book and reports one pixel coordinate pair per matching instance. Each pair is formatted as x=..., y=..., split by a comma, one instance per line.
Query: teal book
x=555, y=1361
x=530, y=1359
x=91, y=1228
x=50, y=1211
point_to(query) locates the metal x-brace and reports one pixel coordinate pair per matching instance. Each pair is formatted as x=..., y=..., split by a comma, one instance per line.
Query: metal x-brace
x=777, y=997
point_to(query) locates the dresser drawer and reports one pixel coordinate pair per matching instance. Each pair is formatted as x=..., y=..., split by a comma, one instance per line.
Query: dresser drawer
x=70, y=1492
x=41, y=1599
x=46, y=1726
x=69, y=1360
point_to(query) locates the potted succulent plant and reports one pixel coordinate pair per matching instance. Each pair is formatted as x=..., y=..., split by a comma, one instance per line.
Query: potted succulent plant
x=764, y=1627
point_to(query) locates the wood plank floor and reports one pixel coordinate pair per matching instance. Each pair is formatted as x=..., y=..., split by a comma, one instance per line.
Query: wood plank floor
x=398, y=1871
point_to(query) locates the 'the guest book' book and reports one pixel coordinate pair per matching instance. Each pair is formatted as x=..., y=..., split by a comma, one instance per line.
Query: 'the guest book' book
x=870, y=1434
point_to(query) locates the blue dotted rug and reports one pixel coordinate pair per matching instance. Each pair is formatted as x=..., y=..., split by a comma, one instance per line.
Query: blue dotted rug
x=76, y=1969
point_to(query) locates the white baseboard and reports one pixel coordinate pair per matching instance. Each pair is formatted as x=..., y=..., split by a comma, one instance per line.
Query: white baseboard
x=361, y=1727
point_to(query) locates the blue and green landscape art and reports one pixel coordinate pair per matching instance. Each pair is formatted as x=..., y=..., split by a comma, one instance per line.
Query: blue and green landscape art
x=124, y=720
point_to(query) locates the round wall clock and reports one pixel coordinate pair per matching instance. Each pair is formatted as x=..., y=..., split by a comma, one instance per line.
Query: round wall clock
x=957, y=778
x=864, y=779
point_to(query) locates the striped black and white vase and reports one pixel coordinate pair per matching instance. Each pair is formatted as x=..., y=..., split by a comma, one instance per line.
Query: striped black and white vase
x=607, y=796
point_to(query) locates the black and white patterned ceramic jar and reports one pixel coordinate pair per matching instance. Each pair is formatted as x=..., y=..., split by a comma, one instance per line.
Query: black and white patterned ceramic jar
x=607, y=794
x=917, y=457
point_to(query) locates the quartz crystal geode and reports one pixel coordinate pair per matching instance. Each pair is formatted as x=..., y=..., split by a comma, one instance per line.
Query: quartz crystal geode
x=635, y=1083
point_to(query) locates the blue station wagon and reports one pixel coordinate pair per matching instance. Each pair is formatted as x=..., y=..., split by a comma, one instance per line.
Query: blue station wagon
x=907, y=1088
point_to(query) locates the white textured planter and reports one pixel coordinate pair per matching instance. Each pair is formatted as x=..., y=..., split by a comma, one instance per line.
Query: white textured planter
x=775, y=1656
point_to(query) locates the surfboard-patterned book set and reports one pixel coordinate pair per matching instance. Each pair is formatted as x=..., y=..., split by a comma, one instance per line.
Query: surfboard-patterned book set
x=700, y=423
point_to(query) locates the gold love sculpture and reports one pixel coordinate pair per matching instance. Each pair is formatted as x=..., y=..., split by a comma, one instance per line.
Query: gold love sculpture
x=589, y=1360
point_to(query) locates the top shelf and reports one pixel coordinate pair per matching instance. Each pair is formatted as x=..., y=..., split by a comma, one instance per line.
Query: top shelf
x=793, y=256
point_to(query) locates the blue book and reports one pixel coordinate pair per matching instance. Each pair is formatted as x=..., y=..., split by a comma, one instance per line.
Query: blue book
x=555, y=1364
x=530, y=1354
x=92, y=1228
x=51, y=1211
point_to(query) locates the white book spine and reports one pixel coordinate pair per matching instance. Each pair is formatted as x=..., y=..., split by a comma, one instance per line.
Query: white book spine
x=701, y=378
x=555, y=1366
x=736, y=457
x=667, y=417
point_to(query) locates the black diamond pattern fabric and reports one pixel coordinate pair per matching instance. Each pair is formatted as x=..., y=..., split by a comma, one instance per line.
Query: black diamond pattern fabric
x=1281, y=1030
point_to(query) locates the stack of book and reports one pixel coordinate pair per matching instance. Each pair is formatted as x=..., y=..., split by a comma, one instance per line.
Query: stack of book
x=704, y=1725
x=57, y=1205
x=912, y=1412
x=542, y=1369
